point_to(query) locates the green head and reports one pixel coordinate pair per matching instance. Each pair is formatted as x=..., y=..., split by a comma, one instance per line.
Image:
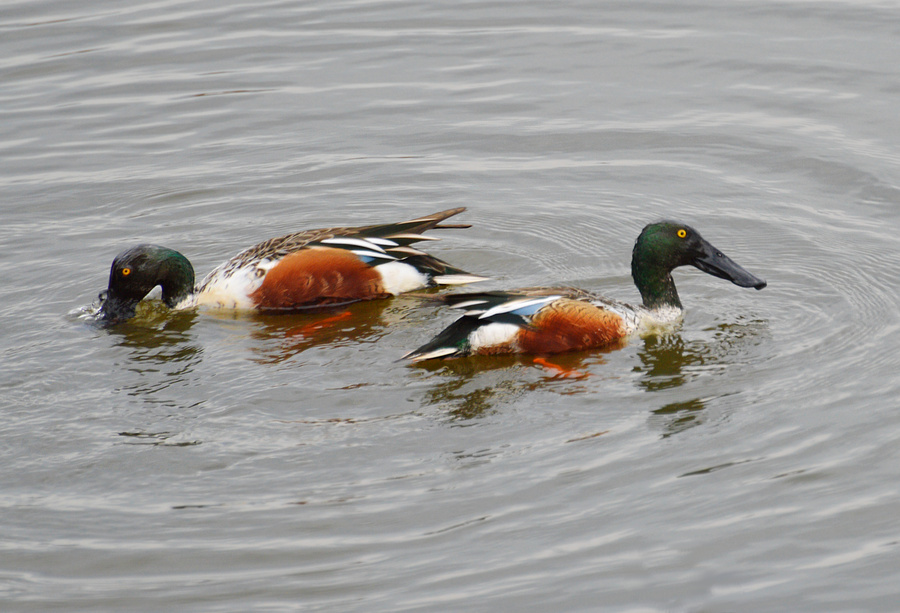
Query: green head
x=666, y=245
x=138, y=270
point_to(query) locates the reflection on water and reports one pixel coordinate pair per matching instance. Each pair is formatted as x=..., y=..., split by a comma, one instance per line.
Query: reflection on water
x=279, y=337
x=470, y=387
x=663, y=359
x=671, y=362
x=677, y=417
x=157, y=439
x=158, y=336
x=161, y=342
x=712, y=469
x=166, y=374
x=163, y=355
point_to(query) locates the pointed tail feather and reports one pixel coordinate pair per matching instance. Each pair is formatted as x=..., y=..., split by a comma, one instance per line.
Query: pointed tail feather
x=440, y=272
x=452, y=342
x=423, y=224
x=458, y=279
x=483, y=300
x=440, y=352
x=407, y=232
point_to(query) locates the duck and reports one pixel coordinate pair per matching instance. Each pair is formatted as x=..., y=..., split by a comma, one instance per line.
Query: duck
x=306, y=269
x=544, y=320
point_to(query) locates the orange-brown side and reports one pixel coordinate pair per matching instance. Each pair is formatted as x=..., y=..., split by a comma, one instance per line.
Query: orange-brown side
x=570, y=325
x=320, y=275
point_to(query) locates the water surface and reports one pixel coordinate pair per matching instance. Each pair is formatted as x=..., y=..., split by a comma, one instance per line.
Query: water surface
x=212, y=462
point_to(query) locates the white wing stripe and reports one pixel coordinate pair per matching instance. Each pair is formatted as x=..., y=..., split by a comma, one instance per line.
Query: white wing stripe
x=415, y=237
x=468, y=303
x=515, y=305
x=406, y=250
x=382, y=241
x=358, y=242
x=373, y=254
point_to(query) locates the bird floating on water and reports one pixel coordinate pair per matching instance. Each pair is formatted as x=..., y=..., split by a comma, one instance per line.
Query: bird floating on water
x=556, y=320
x=310, y=268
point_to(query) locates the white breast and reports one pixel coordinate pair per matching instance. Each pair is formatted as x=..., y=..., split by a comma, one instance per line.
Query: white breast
x=231, y=289
x=656, y=321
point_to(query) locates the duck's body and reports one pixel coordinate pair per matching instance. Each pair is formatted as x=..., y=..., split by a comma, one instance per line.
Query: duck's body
x=305, y=269
x=556, y=320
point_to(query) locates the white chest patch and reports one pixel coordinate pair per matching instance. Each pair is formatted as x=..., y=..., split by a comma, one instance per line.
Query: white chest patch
x=397, y=277
x=231, y=291
x=659, y=321
x=492, y=335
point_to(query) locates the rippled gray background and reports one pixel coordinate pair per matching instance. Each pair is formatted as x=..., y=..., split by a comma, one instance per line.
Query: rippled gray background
x=204, y=462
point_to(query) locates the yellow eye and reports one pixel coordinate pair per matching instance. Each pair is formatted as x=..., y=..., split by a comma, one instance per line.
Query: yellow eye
x=126, y=272
x=682, y=233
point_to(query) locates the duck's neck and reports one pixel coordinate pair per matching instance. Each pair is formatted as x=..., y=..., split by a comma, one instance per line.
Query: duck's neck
x=176, y=277
x=654, y=282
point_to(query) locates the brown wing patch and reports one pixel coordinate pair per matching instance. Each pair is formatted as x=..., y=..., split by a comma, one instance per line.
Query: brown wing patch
x=319, y=275
x=571, y=325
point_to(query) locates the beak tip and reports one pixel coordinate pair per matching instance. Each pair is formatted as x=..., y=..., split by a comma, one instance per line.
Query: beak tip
x=114, y=310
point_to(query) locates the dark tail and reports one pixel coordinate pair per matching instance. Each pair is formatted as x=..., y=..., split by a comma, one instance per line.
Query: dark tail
x=452, y=342
x=406, y=232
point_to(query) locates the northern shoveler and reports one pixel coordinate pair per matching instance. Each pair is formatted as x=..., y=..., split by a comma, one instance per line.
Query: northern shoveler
x=555, y=320
x=305, y=269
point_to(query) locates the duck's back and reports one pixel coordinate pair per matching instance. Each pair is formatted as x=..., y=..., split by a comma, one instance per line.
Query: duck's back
x=330, y=266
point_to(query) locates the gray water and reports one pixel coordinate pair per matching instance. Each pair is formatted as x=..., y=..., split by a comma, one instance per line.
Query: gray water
x=200, y=461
